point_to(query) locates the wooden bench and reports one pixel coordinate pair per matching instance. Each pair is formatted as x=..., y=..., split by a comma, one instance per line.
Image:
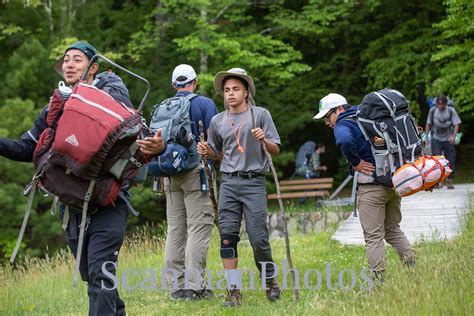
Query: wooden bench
x=305, y=188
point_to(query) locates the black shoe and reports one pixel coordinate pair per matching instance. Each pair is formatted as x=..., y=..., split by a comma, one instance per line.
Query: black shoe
x=410, y=262
x=233, y=299
x=273, y=291
x=178, y=295
x=450, y=184
x=206, y=294
x=192, y=295
x=379, y=276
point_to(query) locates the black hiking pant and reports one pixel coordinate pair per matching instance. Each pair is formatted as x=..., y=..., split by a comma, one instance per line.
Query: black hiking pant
x=439, y=148
x=102, y=241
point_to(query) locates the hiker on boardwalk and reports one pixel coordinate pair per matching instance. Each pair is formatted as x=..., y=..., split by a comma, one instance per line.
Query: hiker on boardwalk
x=235, y=137
x=378, y=205
x=189, y=212
x=443, y=123
x=105, y=230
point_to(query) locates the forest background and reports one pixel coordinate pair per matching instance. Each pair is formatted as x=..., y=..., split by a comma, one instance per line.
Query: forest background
x=296, y=51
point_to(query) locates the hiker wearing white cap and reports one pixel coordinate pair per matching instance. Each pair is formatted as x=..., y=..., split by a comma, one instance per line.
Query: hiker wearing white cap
x=378, y=204
x=235, y=137
x=189, y=212
x=182, y=75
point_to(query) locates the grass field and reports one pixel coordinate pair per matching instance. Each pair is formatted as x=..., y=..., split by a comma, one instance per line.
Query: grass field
x=441, y=283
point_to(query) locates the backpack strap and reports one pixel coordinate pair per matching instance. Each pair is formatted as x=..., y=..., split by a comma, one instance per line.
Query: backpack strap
x=54, y=206
x=383, y=97
x=125, y=196
x=190, y=96
x=66, y=216
x=84, y=221
x=31, y=194
x=118, y=167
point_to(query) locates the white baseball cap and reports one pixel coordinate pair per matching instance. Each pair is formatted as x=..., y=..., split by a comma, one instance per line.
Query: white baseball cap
x=185, y=71
x=329, y=102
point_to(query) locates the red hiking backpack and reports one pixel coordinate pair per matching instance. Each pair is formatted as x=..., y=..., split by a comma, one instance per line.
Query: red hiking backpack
x=89, y=148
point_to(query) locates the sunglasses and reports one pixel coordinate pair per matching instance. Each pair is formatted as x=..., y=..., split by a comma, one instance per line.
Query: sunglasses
x=326, y=118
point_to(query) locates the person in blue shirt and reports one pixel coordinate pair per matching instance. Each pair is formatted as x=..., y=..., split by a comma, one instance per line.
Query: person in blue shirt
x=377, y=202
x=189, y=212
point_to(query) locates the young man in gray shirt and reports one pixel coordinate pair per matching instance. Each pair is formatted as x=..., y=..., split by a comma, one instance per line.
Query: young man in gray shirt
x=443, y=122
x=235, y=136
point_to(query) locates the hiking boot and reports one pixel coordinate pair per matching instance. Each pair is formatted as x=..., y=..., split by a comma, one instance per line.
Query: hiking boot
x=450, y=184
x=273, y=291
x=206, y=294
x=378, y=276
x=192, y=295
x=233, y=299
x=178, y=295
x=409, y=262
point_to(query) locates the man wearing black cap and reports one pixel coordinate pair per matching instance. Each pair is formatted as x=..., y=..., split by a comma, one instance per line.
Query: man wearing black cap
x=106, y=228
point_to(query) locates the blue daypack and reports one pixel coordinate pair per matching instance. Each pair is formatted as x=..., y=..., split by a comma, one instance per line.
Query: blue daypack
x=173, y=117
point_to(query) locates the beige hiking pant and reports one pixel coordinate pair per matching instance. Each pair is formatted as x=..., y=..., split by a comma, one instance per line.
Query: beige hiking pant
x=190, y=219
x=380, y=217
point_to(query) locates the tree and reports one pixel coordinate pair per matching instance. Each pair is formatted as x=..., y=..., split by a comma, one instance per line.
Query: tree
x=454, y=57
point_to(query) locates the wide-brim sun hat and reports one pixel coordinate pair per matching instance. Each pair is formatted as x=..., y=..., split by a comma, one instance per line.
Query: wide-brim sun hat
x=329, y=102
x=233, y=72
x=84, y=47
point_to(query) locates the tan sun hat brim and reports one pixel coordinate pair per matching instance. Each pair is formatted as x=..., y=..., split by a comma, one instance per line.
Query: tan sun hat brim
x=234, y=72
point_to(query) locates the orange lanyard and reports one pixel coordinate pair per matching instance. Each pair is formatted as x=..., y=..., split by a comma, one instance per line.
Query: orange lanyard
x=239, y=130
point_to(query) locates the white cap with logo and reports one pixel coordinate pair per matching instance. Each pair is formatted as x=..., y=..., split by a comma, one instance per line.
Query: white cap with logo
x=185, y=71
x=329, y=102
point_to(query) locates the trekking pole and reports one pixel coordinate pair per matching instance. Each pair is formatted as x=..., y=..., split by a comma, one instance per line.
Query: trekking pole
x=354, y=192
x=210, y=180
x=282, y=214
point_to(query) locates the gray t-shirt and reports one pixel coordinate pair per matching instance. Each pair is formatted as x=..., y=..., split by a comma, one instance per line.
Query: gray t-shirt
x=442, y=122
x=222, y=139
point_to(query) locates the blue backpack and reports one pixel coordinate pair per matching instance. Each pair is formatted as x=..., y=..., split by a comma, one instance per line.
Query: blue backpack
x=172, y=116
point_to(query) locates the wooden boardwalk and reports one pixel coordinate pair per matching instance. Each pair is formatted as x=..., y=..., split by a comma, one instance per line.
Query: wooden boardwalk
x=426, y=215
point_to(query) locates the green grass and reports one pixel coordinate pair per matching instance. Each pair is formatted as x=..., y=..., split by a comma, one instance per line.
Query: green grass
x=441, y=283
x=309, y=207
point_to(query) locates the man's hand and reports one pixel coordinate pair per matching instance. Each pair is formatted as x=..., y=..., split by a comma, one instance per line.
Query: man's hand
x=258, y=133
x=202, y=148
x=152, y=145
x=452, y=138
x=364, y=167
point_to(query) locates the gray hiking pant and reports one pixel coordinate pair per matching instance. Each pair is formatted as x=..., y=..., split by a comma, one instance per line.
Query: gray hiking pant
x=380, y=217
x=248, y=197
x=190, y=219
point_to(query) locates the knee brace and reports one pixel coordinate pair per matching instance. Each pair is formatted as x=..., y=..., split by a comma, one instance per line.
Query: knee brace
x=229, y=246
